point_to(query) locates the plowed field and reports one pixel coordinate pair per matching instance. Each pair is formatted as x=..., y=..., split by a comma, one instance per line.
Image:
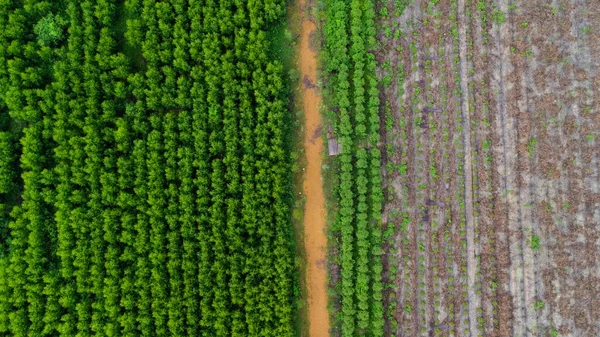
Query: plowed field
x=490, y=122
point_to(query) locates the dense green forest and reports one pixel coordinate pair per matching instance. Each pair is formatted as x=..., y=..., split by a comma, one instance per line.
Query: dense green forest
x=352, y=96
x=144, y=171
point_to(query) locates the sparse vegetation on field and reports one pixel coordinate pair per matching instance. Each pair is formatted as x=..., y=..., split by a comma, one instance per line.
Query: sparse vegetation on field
x=453, y=261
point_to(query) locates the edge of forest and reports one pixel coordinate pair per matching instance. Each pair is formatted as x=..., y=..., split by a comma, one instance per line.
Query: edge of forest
x=286, y=43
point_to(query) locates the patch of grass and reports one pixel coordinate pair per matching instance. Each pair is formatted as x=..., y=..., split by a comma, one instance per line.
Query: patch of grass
x=282, y=43
x=586, y=29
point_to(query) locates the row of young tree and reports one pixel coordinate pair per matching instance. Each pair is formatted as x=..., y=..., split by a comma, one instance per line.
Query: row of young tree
x=155, y=180
x=350, y=65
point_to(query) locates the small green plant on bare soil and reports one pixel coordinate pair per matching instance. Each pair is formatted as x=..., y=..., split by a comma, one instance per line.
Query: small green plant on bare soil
x=531, y=146
x=586, y=29
x=383, y=12
x=388, y=32
x=539, y=305
x=498, y=16
x=486, y=144
x=535, y=242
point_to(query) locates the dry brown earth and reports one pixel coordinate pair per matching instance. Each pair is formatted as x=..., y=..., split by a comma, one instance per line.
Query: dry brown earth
x=314, y=216
x=491, y=167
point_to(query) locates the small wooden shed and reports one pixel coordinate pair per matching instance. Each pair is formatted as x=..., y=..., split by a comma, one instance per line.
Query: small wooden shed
x=334, y=145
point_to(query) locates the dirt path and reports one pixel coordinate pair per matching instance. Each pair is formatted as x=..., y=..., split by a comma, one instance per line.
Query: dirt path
x=315, y=240
x=474, y=298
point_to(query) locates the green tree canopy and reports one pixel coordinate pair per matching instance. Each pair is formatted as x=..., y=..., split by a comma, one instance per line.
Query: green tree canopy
x=48, y=30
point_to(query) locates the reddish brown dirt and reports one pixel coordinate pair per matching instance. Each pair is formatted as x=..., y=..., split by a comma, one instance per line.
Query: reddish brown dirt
x=315, y=240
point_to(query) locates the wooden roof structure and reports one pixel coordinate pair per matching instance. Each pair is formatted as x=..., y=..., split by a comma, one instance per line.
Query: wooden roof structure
x=335, y=147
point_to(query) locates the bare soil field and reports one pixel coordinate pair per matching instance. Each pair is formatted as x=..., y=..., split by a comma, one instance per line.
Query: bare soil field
x=491, y=123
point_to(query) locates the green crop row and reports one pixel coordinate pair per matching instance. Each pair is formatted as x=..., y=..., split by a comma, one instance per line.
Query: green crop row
x=349, y=42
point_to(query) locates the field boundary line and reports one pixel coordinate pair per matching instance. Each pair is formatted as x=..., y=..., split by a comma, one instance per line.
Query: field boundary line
x=474, y=300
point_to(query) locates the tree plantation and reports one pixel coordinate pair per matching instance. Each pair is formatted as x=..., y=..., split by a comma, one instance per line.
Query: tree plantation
x=144, y=171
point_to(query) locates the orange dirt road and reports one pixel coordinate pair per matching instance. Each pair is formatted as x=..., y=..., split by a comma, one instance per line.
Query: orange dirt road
x=315, y=240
